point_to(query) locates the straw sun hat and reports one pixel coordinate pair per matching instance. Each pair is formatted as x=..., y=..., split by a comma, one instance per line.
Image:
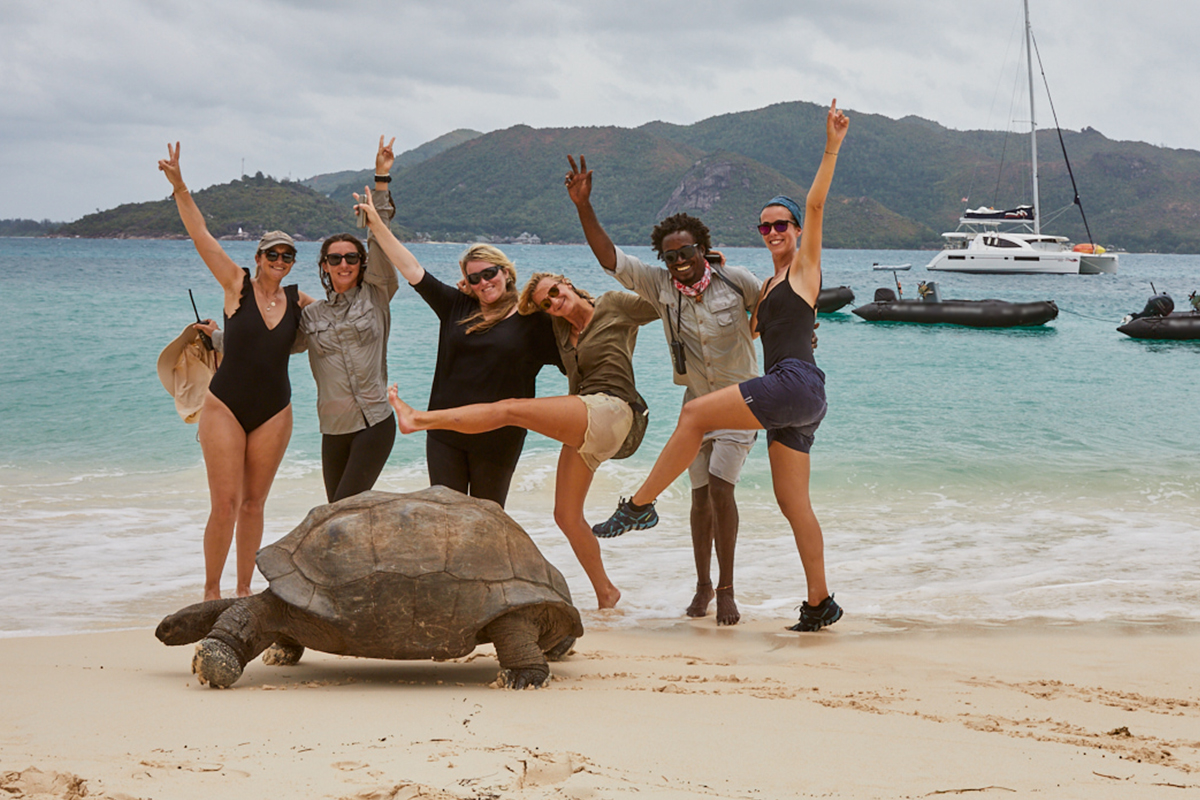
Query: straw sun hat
x=185, y=368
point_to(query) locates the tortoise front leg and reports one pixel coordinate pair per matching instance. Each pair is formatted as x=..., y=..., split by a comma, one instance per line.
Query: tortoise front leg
x=516, y=638
x=240, y=634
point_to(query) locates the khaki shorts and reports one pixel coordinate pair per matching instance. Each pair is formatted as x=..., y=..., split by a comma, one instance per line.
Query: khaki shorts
x=609, y=420
x=723, y=454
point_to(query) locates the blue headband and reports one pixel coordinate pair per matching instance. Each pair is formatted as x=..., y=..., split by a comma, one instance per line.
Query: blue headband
x=788, y=203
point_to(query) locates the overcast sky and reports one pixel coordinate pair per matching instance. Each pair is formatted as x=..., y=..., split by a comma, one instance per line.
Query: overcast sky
x=91, y=92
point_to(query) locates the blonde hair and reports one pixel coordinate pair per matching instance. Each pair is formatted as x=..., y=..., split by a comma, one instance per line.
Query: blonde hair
x=527, y=305
x=483, y=319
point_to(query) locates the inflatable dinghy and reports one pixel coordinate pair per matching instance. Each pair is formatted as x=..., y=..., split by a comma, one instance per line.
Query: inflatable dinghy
x=830, y=300
x=931, y=309
x=1159, y=320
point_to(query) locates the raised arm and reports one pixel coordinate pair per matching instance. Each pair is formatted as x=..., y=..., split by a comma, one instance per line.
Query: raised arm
x=379, y=268
x=579, y=188
x=805, y=275
x=223, y=268
x=404, y=261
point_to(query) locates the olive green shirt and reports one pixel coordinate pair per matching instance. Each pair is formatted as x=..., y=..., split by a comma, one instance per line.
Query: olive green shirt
x=601, y=361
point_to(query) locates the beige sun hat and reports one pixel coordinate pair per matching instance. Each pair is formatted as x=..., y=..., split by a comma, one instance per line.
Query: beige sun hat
x=185, y=368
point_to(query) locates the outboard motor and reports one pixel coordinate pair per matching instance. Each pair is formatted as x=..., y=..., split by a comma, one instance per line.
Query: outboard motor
x=884, y=295
x=928, y=290
x=1160, y=305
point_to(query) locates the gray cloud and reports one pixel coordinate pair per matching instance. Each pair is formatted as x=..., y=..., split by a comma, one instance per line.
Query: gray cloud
x=91, y=93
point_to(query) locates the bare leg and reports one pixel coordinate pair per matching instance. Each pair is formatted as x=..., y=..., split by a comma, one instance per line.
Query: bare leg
x=789, y=475
x=265, y=446
x=725, y=531
x=702, y=544
x=223, y=443
x=723, y=408
x=570, y=490
x=563, y=419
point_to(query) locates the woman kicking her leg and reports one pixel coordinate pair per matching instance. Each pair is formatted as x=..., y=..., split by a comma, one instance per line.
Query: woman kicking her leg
x=603, y=417
x=788, y=400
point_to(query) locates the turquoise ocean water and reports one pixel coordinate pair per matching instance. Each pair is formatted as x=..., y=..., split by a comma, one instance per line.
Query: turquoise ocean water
x=961, y=476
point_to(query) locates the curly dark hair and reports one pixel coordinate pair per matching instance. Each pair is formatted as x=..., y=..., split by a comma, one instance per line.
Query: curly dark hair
x=676, y=223
x=362, y=255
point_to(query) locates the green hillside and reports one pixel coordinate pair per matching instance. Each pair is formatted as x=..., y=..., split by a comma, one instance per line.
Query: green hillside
x=1137, y=196
x=253, y=205
x=340, y=186
x=899, y=184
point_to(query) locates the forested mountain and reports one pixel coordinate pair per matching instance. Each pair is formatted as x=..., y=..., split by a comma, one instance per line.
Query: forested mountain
x=341, y=185
x=899, y=184
x=251, y=205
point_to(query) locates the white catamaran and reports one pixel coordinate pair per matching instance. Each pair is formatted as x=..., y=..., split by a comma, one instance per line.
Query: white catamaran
x=1012, y=241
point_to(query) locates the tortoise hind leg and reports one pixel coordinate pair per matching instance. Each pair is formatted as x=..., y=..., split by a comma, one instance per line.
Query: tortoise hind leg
x=515, y=635
x=283, y=653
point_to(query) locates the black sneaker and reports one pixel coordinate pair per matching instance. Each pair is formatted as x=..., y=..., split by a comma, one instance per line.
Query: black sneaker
x=813, y=618
x=626, y=519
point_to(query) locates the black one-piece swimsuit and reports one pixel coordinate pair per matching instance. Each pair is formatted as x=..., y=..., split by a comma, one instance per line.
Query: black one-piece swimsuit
x=253, y=377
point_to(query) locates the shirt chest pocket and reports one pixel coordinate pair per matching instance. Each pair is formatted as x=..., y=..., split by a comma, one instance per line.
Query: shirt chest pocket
x=364, y=325
x=321, y=338
x=728, y=310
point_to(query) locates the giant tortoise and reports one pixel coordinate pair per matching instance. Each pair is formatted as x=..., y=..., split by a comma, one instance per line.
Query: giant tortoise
x=429, y=574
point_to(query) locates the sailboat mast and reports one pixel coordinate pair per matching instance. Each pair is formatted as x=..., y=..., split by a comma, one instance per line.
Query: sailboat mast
x=1037, y=216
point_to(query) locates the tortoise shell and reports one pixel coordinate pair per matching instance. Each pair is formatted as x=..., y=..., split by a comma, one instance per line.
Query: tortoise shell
x=412, y=575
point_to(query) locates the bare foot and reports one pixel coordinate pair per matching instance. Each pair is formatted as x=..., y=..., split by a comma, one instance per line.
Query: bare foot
x=404, y=412
x=610, y=598
x=212, y=594
x=704, y=596
x=727, y=610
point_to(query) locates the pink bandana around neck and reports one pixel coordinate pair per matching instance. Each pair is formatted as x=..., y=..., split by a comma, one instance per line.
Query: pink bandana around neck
x=695, y=290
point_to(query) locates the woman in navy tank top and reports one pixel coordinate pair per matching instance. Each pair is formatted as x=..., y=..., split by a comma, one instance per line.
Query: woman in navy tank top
x=788, y=401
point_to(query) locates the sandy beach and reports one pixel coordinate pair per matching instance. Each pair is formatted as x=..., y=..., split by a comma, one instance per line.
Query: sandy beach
x=667, y=710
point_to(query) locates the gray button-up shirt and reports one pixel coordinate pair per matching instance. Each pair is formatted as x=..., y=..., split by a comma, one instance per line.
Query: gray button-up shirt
x=347, y=342
x=715, y=329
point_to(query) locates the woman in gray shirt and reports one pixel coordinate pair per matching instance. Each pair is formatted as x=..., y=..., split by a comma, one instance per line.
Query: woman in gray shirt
x=347, y=334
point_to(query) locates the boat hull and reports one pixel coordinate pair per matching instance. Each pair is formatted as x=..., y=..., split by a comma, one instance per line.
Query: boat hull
x=972, y=313
x=1173, y=326
x=834, y=299
x=1008, y=263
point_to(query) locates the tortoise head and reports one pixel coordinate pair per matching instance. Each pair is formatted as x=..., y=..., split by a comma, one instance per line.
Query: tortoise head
x=193, y=623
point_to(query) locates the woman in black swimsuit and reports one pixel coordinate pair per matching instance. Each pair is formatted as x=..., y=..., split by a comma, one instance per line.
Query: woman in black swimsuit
x=788, y=400
x=246, y=421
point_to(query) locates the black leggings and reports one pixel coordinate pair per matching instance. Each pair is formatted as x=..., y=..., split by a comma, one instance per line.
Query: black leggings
x=351, y=462
x=482, y=473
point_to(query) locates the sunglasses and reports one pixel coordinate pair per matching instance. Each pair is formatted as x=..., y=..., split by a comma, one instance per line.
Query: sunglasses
x=483, y=275
x=779, y=225
x=335, y=259
x=685, y=253
x=275, y=255
x=550, y=295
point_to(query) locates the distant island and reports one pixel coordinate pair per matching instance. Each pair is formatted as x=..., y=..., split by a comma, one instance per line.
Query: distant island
x=899, y=184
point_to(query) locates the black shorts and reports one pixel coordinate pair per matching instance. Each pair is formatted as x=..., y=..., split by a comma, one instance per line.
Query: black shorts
x=789, y=401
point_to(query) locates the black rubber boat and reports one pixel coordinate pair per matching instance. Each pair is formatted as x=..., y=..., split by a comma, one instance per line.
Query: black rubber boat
x=831, y=300
x=1159, y=320
x=931, y=309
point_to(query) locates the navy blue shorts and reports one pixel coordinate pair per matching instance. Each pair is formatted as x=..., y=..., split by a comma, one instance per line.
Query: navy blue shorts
x=789, y=401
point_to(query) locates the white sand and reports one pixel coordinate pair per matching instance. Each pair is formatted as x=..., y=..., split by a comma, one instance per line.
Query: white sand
x=673, y=710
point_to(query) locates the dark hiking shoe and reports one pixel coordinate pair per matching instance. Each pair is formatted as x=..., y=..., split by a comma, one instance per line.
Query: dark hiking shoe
x=625, y=519
x=813, y=618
